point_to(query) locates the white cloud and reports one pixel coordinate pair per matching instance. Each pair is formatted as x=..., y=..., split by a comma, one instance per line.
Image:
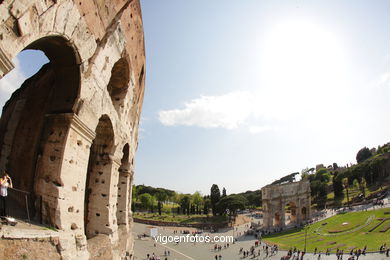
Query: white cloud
x=255, y=129
x=10, y=82
x=226, y=111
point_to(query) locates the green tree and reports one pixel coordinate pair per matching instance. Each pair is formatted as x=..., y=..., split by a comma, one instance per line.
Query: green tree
x=335, y=166
x=323, y=175
x=154, y=202
x=161, y=197
x=185, y=203
x=363, y=154
x=322, y=195
x=223, y=192
x=197, y=199
x=362, y=186
x=253, y=197
x=355, y=184
x=346, y=184
x=337, y=186
x=206, y=205
x=233, y=203
x=134, y=197
x=215, y=196
x=146, y=201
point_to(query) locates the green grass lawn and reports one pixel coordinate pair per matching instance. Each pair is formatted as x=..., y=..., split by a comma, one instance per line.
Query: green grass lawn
x=184, y=219
x=344, y=231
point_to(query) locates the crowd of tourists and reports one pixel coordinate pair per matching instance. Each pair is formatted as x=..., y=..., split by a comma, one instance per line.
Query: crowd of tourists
x=152, y=256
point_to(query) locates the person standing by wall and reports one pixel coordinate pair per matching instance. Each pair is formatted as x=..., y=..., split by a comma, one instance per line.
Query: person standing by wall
x=5, y=183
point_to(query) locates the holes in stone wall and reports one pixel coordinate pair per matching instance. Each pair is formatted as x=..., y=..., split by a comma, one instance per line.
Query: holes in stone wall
x=119, y=83
x=123, y=182
x=73, y=226
x=97, y=189
x=56, y=183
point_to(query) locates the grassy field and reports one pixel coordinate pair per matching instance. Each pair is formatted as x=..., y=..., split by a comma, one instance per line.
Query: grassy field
x=343, y=231
x=192, y=219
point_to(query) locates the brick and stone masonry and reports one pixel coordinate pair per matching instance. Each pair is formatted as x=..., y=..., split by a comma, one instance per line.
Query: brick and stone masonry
x=68, y=135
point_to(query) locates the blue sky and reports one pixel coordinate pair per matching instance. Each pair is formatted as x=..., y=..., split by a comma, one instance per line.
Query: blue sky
x=240, y=93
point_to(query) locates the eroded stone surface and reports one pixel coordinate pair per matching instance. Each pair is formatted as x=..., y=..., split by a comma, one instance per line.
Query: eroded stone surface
x=69, y=133
x=295, y=197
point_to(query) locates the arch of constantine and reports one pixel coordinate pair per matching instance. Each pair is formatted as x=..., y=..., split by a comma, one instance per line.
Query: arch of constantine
x=285, y=204
x=69, y=134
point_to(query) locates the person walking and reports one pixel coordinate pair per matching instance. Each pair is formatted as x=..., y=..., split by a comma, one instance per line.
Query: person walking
x=5, y=183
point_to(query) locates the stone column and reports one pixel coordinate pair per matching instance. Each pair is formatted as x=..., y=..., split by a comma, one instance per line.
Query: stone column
x=6, y=64
x=308, y=206
x=60, y=180
x=267, y=217
x=130, y=238
x=283, y=215
x=299, y=211
x=102, y=199
x=123, y=198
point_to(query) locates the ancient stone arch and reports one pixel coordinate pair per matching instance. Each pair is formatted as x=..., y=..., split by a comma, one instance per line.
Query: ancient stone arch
x=281, y=200
x=68, y=135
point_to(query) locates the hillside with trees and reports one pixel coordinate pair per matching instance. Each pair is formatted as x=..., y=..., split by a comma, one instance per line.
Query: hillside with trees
x=331, y=186
x=341, y=186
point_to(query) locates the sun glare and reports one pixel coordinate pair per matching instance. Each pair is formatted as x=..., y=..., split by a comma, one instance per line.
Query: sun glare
x=301, y=62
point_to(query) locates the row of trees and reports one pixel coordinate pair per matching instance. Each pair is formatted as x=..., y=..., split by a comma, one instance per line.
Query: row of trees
x=150, y=199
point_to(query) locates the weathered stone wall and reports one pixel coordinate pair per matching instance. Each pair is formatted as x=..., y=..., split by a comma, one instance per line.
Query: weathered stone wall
x=275, y=199
x=38, y=249
x=69, y=135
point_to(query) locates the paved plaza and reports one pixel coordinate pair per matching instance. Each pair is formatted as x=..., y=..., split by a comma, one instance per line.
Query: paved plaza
x=200, y=251
x=203, y=251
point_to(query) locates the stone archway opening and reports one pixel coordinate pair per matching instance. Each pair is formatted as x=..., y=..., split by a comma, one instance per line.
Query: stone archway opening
x=53, y=89
x=291, y=213
x=304, y=213
x=97, y=218
x=276, y=220
x=123, y=202
x=119, y=83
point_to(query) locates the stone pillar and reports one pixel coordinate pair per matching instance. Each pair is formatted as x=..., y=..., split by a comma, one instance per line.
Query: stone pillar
x=124, y=198
x=60, y=180
x=267, y=216
x=308, y=206
x=6, y=64
x=283, y=215
x=299, y=212
x=102, y=199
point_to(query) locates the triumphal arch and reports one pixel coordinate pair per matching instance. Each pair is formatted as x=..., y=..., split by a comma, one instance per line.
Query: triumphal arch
x=69, y=133
x=285, y=204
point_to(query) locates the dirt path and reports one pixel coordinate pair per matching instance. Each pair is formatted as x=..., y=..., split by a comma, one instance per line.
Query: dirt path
x=241, y=219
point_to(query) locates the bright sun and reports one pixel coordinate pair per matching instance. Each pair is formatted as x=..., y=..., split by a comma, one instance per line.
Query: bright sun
x=301, y=62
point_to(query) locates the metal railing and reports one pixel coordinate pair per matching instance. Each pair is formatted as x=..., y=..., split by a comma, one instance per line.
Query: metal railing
x=20, y=204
